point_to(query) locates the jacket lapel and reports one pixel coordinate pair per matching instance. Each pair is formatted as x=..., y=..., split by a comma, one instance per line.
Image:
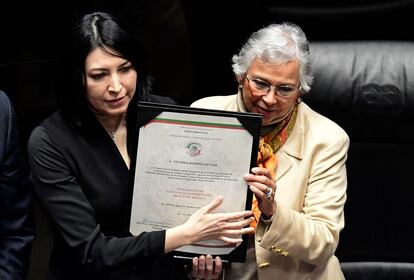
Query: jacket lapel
x=293, y=147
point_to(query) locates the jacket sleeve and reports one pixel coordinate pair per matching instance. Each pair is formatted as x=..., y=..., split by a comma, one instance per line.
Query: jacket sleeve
x=312, y=234
x=60, y=192
x=16, y=224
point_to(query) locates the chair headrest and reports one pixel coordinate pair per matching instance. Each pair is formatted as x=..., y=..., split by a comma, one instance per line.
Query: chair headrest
x=367, y=87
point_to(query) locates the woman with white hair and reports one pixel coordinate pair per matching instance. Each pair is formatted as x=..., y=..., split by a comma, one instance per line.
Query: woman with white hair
x=300, y=182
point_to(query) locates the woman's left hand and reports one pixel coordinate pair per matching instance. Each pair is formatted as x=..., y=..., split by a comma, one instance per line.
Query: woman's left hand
x=204, y=267
x=263, y=186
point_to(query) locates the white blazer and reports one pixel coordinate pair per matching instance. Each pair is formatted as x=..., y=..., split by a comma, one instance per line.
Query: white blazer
x=300, y=240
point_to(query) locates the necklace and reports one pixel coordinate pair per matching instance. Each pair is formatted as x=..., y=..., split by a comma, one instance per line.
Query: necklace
x=118, y=128
x=112, y=134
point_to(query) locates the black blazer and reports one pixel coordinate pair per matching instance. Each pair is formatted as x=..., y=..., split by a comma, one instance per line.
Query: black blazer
x=16, y=226
x=85, y=186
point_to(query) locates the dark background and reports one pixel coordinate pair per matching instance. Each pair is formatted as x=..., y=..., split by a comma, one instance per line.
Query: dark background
x=190, y=45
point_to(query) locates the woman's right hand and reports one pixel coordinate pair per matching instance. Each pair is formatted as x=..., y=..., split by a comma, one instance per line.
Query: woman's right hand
x=204, y=225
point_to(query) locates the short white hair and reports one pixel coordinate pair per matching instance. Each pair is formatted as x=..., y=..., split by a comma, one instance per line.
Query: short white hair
x=276, y=43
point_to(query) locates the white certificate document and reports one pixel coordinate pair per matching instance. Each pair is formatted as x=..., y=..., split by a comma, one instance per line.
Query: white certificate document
x=183, y=162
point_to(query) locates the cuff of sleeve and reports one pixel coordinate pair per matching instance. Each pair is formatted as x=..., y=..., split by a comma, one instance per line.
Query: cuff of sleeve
x=266, y=220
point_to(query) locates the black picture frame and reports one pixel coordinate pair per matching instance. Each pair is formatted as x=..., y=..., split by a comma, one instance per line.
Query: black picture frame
x=147, y=111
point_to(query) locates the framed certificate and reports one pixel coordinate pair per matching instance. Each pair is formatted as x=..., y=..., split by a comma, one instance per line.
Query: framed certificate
x=185, y=158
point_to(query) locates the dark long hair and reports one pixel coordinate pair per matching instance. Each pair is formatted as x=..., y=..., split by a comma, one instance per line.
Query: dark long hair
x=97, y=29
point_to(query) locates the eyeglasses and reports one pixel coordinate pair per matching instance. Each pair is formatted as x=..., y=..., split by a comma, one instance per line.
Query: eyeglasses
x=262, y=87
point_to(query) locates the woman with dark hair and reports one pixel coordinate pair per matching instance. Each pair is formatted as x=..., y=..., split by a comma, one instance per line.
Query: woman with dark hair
x=80, y=161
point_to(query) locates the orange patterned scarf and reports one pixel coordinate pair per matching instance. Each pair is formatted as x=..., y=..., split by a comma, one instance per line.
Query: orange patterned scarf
x=268, y=145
